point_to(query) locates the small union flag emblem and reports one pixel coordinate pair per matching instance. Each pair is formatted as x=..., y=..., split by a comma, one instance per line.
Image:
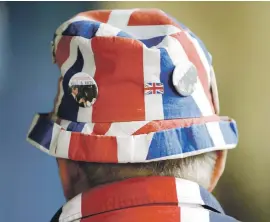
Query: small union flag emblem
x=153, y=88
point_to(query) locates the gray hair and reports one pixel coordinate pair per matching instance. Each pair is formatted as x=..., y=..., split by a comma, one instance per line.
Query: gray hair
x=198, y=169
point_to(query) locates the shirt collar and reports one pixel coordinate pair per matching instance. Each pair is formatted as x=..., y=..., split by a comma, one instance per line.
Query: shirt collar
x=138, y=192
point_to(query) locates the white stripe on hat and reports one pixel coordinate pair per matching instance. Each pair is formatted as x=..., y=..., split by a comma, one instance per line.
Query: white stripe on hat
x=191, y=194
x=125, y=128
x=140, y=155
x=150, y=31
x=195, y=214
x=174, y=49
x=107, y=30
x=215, y=134
x=64, y=123
x=127, y=148
x=85, y=46
x=88, y=128
x=71, y=211
x=120, y=18
x=73, y=53
x=63, y=144
x=151, y=69
x=178, y=57
x=201, y=100
x=55, y=134
x=201, y=55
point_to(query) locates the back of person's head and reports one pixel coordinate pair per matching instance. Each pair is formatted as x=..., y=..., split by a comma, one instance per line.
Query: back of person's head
x=202, y=169
x=155, y=102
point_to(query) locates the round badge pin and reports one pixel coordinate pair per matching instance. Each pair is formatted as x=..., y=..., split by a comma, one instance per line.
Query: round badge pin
x=83, y=89
x=185, y=79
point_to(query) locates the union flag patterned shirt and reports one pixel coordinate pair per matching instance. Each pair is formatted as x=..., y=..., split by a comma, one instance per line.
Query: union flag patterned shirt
x=144, y=199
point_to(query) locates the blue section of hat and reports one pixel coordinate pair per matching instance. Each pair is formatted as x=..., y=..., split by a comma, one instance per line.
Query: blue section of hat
x=179, y=141
x=86, y=29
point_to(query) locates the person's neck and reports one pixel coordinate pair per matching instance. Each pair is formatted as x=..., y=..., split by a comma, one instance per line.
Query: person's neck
x=87, y=183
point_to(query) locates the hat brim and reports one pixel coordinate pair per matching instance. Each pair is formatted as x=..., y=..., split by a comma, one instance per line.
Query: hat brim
x=179, y=139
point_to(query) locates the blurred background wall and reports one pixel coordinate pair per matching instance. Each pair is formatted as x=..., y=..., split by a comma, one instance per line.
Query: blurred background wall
x=236, y=34
x=30, y=189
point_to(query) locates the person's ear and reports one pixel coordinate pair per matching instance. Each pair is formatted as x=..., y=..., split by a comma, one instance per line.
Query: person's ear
x=65, y=177
x=219, y=168
x=63, y=171
x=73, y=179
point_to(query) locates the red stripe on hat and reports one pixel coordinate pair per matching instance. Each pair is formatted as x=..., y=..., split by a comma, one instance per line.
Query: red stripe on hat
x=195, y=59
x=161, y=213
x=101, y=128
x=119, y=76
x=145, y=191
x=159, y=125
x=63, y=50
x=99, y=15
x=149, y=17
x=92, y=148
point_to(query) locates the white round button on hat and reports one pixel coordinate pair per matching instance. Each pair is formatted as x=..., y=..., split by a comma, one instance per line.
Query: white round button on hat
x=185, y=77
x=83, y=89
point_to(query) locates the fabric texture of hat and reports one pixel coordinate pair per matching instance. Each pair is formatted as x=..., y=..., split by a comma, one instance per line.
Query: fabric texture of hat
x=152, y=87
